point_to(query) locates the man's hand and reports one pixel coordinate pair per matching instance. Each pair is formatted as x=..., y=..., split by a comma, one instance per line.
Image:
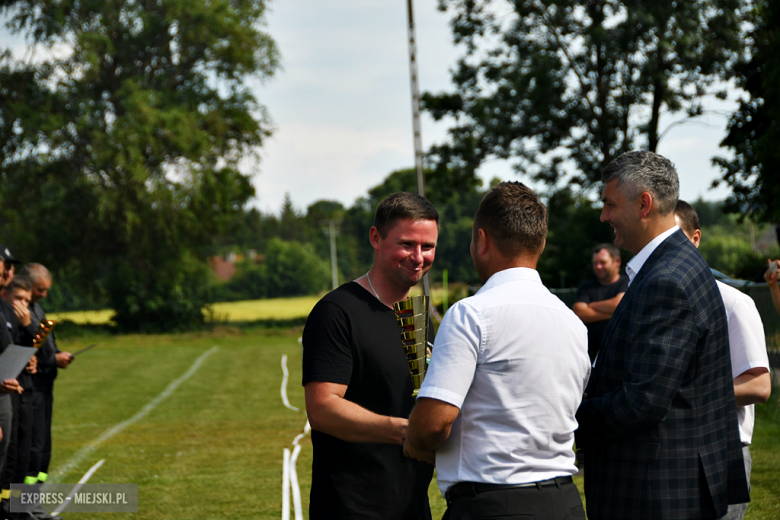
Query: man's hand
x=63, y=359
x=9, y=386
x=32, y=365
x=770, y=275
x=421, y=455
x=22, y=312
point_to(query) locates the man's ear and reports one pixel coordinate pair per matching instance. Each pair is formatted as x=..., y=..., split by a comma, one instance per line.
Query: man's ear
x=696, y=238
x=374, y=237
x=483, y=241
x=646, y=204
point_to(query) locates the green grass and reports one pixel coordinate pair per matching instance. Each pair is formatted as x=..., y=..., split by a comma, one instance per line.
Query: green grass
x=242, y=311
x=213, y=448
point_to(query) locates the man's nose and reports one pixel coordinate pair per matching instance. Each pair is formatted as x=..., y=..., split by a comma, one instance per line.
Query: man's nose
x=604, y=214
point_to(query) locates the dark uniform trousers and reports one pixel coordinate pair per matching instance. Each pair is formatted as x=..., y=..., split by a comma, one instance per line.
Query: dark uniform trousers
x=554, y=499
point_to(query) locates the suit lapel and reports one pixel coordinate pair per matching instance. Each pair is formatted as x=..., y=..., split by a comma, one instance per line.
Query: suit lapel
x=636, y=283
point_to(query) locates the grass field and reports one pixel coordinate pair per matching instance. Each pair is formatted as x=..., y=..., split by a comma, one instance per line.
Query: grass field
x=213, y=447
x=250, y=310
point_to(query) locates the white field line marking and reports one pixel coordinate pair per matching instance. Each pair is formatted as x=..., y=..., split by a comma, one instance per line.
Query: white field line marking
x=86, y=450
x=285, y=376
x=84, y=479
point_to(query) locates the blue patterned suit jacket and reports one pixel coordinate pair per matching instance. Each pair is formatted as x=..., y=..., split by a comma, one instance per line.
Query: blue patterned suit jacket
x=659, y=424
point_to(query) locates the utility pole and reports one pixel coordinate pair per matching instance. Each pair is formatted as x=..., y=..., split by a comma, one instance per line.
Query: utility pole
x=418, y=154
x=332, y=231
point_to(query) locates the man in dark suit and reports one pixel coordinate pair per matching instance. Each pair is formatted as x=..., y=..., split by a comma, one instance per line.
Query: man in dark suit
x=659, y=422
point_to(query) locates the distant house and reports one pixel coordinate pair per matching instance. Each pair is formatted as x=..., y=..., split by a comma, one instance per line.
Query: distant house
x=224, y=266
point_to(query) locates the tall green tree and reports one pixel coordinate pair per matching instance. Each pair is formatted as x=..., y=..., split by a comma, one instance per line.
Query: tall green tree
x=562, y=87
x=754, y=128
x=120, y=146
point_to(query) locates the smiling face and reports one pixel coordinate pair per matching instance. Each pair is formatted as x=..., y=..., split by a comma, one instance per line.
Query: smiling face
x=623, y=215
x=407, y=252
x=606, y=268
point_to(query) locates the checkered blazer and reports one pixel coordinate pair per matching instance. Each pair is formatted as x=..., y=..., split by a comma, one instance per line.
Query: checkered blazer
x=659, y=424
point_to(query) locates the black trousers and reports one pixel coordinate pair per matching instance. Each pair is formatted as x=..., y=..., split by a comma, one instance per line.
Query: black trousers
x=545, y=503
x=41, y=441
x=6, y=423
x=18, y=459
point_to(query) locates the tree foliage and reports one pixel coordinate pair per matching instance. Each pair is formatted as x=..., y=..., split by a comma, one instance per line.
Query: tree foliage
x=122, y=150
x=753, y=130
x=562, y=87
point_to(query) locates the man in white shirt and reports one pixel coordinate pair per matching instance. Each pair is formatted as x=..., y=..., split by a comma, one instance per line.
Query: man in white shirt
x=506, y=376
x=747, y=345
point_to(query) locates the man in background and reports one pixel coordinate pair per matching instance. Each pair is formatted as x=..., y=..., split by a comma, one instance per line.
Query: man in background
x=506, y=376
x=356, y=378
x=747, y=345
x=597, y=299
x=50, y=359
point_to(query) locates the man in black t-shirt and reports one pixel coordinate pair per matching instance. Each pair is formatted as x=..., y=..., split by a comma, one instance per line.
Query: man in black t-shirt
x=357, y=381
x=598, y=298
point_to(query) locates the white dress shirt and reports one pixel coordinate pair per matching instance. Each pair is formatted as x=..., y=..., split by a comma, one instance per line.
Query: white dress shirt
x=635, y=264
x=747, y=346
x=514, y=359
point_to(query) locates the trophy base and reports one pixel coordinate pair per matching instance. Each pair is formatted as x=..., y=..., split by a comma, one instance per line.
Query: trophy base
x=416, y=391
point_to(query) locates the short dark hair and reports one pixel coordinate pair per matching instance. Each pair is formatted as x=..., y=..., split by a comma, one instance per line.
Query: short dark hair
x=688, y=217
x=515, y=219
x=646, y=171
x=403, y=206
x=19, y=282
x=612, y=249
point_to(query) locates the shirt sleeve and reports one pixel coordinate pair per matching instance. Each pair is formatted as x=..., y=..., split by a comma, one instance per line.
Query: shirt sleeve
x=747, y=343
x=327, y=345
x=455, y=356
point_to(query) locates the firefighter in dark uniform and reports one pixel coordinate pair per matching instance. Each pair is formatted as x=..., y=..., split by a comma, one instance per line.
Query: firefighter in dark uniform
x=50, y=359
x=14, y=307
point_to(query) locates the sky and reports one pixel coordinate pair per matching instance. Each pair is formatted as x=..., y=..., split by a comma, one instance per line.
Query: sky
x=341, y=104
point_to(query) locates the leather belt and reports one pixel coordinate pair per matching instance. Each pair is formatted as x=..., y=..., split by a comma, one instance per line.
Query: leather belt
x=462, y=489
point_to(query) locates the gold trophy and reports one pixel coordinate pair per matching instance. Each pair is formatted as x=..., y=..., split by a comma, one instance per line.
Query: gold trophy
x=44, y=329
x=412, y=317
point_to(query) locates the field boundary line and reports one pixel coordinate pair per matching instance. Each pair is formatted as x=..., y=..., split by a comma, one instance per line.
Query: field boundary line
x=87, y=450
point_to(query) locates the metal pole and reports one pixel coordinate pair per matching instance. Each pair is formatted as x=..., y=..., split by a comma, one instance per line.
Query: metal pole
x=418, y=154
x=333, y=262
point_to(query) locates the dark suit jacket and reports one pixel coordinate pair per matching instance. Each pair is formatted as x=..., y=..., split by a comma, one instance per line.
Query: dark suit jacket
x=659, y=424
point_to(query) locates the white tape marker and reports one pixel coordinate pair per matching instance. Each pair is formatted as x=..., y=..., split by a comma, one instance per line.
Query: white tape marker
x=285, y=376
x=286, y=485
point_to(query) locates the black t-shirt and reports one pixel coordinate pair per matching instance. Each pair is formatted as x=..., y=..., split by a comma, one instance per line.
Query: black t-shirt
x=352, y=339
x=593, y=291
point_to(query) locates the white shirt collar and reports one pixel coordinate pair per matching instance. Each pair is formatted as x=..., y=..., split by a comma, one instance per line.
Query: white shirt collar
x=635, y=265
x=508, y=275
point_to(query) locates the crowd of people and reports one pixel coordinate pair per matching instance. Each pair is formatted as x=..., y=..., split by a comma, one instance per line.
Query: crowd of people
x=654, y=373
x=26, y=401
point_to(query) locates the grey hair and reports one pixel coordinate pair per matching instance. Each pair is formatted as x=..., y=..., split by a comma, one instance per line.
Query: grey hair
x=35, y=273
x=646, y=171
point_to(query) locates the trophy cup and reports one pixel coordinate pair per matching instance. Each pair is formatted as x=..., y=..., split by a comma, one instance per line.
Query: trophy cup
x=412, y=317
x=44, y=329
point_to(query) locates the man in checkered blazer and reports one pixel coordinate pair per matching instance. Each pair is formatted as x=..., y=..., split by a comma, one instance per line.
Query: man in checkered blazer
x=659, y=421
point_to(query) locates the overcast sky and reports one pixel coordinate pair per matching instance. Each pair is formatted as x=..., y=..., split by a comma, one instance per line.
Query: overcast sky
x=342, y=108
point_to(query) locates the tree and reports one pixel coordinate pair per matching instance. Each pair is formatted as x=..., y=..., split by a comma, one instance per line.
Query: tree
x=562, y=87
x=124, y=153
x=753, y=130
